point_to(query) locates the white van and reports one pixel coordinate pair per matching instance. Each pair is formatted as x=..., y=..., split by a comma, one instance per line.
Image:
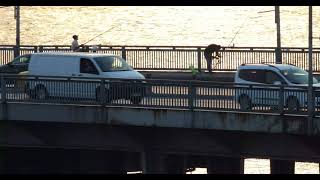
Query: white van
x=75, y=65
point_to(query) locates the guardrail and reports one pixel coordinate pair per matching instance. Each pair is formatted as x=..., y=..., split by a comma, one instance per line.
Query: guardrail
x=188, y=95
x=182, y=57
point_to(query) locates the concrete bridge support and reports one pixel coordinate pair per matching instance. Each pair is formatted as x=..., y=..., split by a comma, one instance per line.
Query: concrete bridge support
x=281, y=166
x=159, y=163
x=153, y=162
x=43, y=161
x=225, y=165
x=176, y=164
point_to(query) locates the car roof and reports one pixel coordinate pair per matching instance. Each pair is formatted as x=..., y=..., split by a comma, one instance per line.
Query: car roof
x=77, y=54
x=267, y=66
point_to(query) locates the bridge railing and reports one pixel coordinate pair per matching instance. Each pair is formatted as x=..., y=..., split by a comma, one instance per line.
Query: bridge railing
x=182, y=57
x=188, y=95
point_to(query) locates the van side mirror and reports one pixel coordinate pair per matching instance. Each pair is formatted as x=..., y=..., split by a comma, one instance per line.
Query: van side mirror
x=277, y=83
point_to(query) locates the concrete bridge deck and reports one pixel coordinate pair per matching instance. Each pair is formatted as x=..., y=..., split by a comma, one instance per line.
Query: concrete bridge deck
x=259, y=130
x=139, y=136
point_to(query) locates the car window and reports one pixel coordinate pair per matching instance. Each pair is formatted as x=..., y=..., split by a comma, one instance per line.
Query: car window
x=297, y=75
x=253, y=75
x=86, y=66
x=21, y=60
x=272, y=77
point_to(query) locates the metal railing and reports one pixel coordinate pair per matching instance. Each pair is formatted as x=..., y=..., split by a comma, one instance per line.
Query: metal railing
x=188, y=95
x=182, y=57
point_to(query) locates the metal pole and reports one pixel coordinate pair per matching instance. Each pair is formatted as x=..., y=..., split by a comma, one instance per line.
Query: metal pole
x=278, y=49
x=310, y=77
x=17, y=17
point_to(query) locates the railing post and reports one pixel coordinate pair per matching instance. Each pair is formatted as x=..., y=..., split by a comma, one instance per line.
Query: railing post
x=281, y=100
x=35, y=49
x=3, y=90
x=40, y=48
x=16, y=50
x=102, y=92
x=278, y=55
x=191, y=95
x=124, y=55
x=199, y=58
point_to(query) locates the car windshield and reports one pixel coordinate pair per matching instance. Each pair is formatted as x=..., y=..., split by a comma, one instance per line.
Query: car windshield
x=112, y=63
x=297, y=75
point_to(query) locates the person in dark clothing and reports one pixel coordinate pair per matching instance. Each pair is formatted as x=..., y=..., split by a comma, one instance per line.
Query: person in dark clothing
x=211, y=52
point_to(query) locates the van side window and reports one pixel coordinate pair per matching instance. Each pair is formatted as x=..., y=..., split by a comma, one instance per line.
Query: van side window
x=271, y=77
x=253, y=75
x=86, y=66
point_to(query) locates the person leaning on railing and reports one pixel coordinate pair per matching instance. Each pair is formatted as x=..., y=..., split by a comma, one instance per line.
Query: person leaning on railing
x=211, y=52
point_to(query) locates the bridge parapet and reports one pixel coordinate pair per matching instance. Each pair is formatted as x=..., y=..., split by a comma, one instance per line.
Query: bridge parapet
x=154, y=117
x=167, y=103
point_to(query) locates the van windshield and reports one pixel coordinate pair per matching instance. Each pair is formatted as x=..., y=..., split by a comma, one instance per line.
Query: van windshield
x=297, y=76
x=112, y=63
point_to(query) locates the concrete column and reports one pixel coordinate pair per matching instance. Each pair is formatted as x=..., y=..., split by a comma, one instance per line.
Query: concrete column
x=225, y=165
x=153, y=162
x=176, y=164
x=116, y=164
x=281, y=167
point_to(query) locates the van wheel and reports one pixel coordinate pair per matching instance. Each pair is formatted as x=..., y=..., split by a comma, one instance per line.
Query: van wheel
x=99, y=97
x=245, y=103
x=136, y=99
x=293, y=104
x=41, y=93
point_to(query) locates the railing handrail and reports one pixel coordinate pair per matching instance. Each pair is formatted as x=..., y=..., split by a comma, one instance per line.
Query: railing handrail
x=179, y=57
x=169, y=46
x=167, y=81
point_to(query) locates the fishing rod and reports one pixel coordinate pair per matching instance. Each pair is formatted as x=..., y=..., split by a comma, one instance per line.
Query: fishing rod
x=99, y=35
x=238, y=30
x=248, y=17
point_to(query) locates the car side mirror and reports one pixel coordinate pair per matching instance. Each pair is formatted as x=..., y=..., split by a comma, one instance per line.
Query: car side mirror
x=277, y=83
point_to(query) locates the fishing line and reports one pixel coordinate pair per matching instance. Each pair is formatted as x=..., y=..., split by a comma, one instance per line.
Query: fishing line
x=248, y=17
x=100, y=34
x=219, y=59
x=239, y=30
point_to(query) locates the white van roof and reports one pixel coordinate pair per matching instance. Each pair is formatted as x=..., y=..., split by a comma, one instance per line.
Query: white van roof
x=73, y=54
x=266, y=66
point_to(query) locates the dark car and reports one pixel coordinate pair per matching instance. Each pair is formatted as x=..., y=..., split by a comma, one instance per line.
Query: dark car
x=19, y=64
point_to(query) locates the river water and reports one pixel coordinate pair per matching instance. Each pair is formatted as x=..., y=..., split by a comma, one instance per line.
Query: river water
x=166, y=25
x=160, y=25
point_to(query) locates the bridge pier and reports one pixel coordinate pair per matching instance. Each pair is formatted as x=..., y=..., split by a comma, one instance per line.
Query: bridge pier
x=153, y=162
x=160, y=163
x=281, y=166
x=176, y=164
x=225, y=165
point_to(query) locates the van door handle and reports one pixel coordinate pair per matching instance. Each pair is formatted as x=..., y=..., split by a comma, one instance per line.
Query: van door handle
x=72, y=74
x=79, y=74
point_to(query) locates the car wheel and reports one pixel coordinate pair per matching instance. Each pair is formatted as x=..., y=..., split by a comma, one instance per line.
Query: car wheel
x=293, y=104
x=41, y=93
x=245, y=103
